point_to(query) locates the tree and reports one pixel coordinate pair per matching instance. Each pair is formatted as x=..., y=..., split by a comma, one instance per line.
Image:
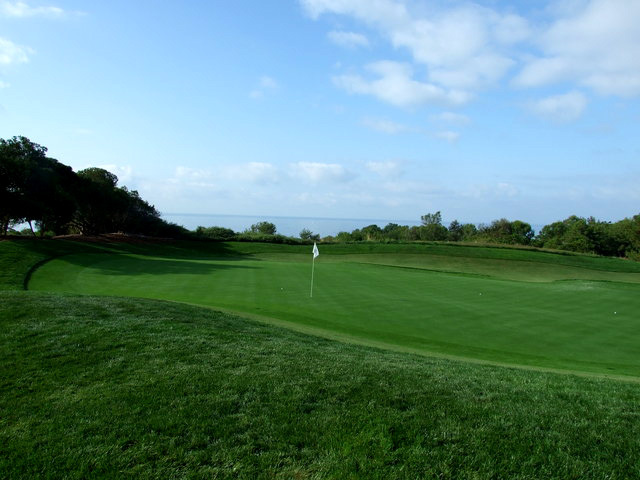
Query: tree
x=433, y=232
x=306, y=234
x=469, y=231
x=33, y=187
x=504, y=231
x=18, y=160
x=371, y=233
x=393, y=231
x=216, y=233
x=344, y=237
x=101, y=207
x=455, y=231
x=266, y=228
x=431, y=219
x=569, y=234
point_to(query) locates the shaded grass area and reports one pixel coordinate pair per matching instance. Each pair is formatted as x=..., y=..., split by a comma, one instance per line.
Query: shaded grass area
x=18, y=256
x=112, y=387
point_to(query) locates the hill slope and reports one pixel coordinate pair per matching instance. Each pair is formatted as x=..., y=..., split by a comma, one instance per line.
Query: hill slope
x=113, y=387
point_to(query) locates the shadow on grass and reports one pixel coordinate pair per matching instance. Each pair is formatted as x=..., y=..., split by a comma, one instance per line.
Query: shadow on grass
x=126, y=265
x=21, y=257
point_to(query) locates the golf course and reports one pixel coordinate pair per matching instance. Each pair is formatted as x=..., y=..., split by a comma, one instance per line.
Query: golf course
x=188, y=359
x=507, y=306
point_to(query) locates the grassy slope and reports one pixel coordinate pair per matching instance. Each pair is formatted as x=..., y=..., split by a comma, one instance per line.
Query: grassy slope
x=568, y=325
x=113, y=387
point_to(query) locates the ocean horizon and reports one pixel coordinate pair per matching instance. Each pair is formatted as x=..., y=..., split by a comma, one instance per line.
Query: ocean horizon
x=290, y=226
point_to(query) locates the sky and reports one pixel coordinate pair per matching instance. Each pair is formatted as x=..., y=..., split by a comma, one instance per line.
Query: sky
x=482, y=110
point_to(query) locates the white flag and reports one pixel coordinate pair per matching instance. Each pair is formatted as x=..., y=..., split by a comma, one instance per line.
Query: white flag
x=315, y=250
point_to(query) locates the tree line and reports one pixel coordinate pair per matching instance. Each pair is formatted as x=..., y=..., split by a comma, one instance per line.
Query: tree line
x=53, y=199
x=576, y=234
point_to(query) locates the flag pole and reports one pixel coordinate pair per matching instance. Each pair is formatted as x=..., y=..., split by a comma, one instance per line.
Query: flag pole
x=313, y=266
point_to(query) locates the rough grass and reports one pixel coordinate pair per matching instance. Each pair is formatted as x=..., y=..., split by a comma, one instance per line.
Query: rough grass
x=111, y=387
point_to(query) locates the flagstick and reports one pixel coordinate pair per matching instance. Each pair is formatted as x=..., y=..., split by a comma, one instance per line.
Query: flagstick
x=313, y=266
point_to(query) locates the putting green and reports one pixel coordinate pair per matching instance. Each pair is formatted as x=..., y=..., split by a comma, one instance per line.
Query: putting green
x=586, y=325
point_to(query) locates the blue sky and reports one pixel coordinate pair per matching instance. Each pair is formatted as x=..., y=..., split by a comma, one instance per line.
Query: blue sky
x=337, y=108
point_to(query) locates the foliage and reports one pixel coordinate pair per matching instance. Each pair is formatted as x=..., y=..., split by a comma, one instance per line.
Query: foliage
x=576, y=234
x=431, y=219
x=263, y=228
x=306, y=234
x=589, y=235
x=505, y=231
x=36, y=188
x=215, y=233
x=33, y=187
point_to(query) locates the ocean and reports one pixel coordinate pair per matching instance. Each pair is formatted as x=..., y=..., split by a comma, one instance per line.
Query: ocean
x=290, y=226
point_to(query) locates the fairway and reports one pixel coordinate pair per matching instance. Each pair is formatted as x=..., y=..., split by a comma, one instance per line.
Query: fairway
x=393, y=301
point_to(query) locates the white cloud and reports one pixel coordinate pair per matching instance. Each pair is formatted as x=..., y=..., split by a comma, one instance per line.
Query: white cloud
x=257, y=173
x=464, y=47
x=265, y=84
x=506, y=189
x=370, y=11
x=4, y=84
x=322, y=199
x=451, y=118
x=348, y=39
x=395, y=85
x=383, y=125
x=389, y=169
x=260, y=173
x=11, y=53
x=484, y=191
x=595, y=43
x=560, y=108
x=321, y=172
x=22, y=10
x=193, y=175
x=448, y=135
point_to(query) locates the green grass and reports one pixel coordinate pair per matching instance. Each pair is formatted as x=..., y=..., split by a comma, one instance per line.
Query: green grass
x=508, y=306
x=114, y=387
x=95, y=387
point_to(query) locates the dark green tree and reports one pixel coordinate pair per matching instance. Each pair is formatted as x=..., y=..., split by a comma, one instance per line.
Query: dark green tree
x=265, y=228
x=33, y=187
x=101, y=207
x=215, y=233
x=431, y=219
x=393, y=231
x=306, y=234
x=371, y=233
x=455, y=231
x=504, y=231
